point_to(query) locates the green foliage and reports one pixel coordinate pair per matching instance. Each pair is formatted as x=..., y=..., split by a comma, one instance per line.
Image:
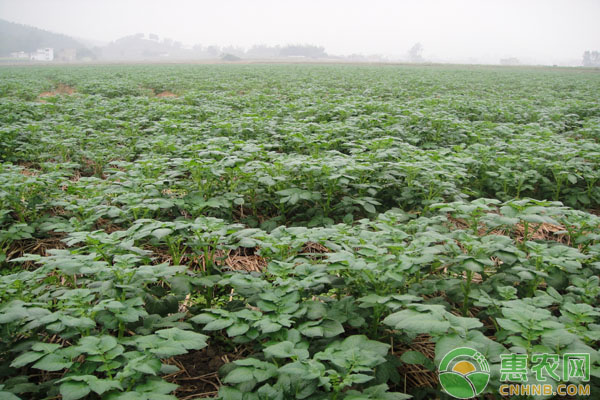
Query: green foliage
x=389, y=206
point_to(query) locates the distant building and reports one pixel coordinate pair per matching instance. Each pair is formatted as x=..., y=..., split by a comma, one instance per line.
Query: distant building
x=46, y=54
x=19, y=54
x=66, y=55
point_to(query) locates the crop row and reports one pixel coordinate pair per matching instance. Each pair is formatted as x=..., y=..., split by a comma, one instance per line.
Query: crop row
x=389, y=279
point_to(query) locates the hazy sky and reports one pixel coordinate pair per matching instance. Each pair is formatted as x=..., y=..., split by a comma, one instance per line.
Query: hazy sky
x=545, y=31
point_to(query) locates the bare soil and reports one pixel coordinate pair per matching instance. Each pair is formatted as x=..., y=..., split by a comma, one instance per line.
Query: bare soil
x=61, y=89
x=166, y=93
x=198, y=372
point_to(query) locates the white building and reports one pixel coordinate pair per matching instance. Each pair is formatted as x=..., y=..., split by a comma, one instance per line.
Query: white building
x=46, y=54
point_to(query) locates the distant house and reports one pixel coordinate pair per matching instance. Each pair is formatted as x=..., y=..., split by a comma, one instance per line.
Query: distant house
x=46, y=54
x=66, y=55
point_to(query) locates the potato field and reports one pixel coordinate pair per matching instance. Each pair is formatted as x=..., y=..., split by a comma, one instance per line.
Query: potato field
x=285, y=232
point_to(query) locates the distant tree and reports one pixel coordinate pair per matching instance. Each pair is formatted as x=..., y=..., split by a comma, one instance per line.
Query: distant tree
x=415, y=53
x=236, y=51
x=306, y=50
x=591, y=59
x=230, y=57
x=85, y=53
x=213, y=51
x=263, y=51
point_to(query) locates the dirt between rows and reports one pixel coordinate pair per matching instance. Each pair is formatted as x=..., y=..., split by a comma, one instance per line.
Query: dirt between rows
x=166, y=93
x=61, y=89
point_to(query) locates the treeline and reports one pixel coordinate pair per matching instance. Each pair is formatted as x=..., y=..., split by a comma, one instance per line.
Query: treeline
x=16, y=37
x=591, y=59
x=141, y=46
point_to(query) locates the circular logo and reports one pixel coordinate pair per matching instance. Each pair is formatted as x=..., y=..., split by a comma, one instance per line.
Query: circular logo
x=464, y=373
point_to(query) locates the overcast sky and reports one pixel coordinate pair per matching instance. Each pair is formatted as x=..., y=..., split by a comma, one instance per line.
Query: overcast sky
x=542, y=31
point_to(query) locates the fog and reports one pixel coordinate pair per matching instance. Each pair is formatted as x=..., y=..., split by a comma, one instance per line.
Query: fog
x=477, y=31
